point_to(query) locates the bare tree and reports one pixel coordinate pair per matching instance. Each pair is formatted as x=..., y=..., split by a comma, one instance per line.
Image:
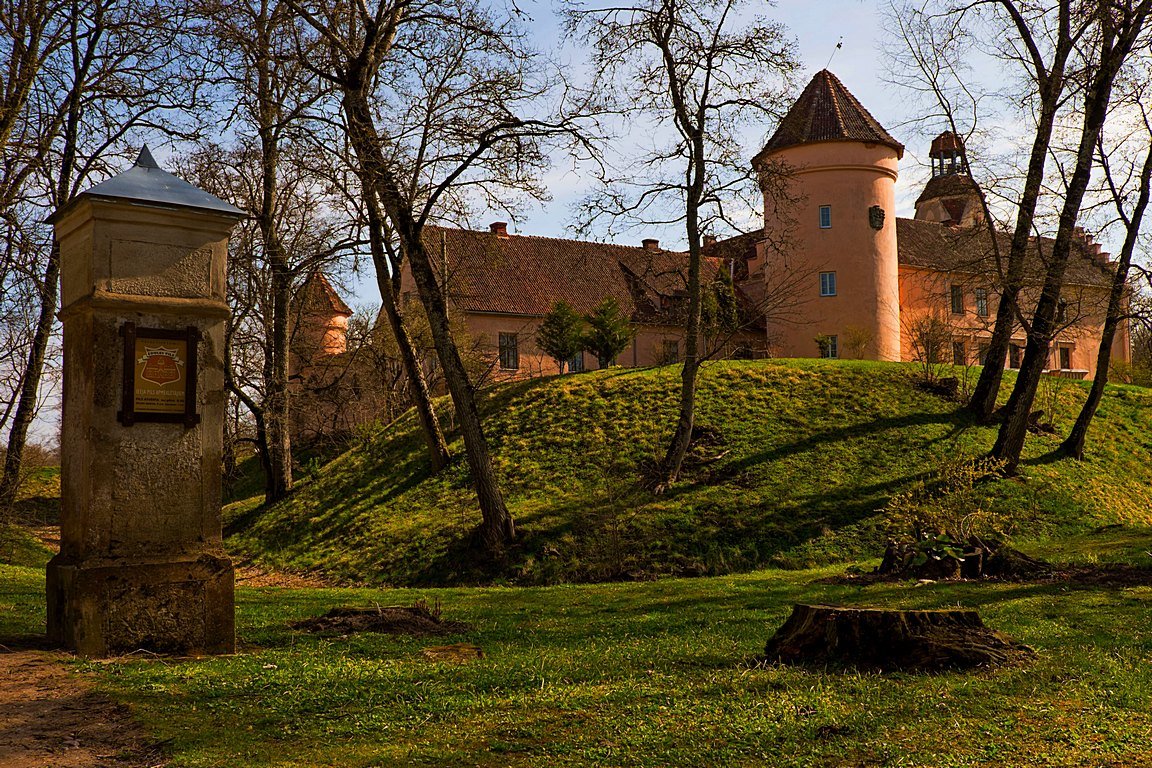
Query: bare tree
x=463, y=85
x=1131, y=215
x=34, y=30
x=307, y=238
x=706, y=69
x=1118, y=27
x=118, y=70
x=363, y=207
x=1038, y=40
x=251, y=47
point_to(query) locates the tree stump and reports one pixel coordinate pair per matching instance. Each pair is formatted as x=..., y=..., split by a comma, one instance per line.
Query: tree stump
x=872, y=638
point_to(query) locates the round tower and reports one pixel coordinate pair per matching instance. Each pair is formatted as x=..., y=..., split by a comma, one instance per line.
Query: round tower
x=830, y=226
x=950, y=196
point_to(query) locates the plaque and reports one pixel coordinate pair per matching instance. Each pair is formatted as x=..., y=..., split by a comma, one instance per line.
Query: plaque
x=876, y=217
x=159, y=375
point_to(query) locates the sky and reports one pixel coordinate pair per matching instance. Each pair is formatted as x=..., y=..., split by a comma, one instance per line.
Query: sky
x=817, y=26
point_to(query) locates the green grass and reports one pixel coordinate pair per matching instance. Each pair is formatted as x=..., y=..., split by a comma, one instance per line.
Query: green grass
x=640, y=674
x=806, y=453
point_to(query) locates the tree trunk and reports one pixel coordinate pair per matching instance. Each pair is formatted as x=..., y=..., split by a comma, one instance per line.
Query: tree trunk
x=1073, y=445
x=682, y=436
x=276, y=406
x=30, y=386
x=497, y=527
x=873, y=638
x=1013, y=432
x=983, y=401
x=438, y=454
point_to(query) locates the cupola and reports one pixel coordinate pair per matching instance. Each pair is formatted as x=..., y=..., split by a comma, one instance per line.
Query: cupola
x=951, y=196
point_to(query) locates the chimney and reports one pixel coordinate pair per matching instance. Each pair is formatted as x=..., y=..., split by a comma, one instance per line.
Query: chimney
x=499, y=228
x=709, y=241
x=651, y=244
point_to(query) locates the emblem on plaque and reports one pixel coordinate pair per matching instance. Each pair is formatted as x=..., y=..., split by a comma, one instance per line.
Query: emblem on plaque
x=161, y=365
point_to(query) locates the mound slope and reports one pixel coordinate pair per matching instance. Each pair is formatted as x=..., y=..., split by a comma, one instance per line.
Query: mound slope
x=795, y=460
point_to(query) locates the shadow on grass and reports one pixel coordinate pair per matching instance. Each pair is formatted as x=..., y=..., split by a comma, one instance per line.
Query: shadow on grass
x=829, y=437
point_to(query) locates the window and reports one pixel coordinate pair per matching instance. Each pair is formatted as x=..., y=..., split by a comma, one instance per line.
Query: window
x=671, y=352
x=576, y=364
x=956, y=296
x=825, y=217
x=1065, y=358
x=1062, y=312
x=982, y=354
x=1015, y=356
x=828, y=346
x=982, y=302
x=827, y=283
x=959, y=353
x=509, y=352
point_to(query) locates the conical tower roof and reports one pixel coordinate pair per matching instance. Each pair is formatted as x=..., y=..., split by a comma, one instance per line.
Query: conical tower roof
x=827, y=111
x=146, y=182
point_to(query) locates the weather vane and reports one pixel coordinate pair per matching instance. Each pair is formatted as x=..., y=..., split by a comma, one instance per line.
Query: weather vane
x=839, y=45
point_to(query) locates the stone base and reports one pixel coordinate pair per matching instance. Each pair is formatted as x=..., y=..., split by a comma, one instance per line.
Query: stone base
x=105, y=607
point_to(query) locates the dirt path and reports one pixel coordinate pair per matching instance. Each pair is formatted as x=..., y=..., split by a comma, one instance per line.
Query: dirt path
x=52, y=718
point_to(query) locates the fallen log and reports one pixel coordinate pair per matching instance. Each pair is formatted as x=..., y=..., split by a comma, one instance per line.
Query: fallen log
x=879, y=639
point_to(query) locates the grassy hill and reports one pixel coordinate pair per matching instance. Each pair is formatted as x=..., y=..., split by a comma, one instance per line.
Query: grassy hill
x=797, y=460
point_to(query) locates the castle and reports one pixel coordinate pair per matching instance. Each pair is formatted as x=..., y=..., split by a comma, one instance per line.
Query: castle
x=834, y=272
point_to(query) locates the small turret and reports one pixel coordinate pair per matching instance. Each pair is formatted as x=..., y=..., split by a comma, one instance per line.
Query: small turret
x=950, y=196
x=319, y=322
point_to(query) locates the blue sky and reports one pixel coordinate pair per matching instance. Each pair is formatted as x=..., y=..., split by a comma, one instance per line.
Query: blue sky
x=817, y=26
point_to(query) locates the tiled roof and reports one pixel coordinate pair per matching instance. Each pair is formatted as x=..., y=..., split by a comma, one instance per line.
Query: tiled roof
x=318, y=296
x=526, y=275
x=930, y=245
x=827, y=111
x=946, y=185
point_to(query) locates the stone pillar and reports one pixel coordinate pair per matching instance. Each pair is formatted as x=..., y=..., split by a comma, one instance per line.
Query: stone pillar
x=141, y=563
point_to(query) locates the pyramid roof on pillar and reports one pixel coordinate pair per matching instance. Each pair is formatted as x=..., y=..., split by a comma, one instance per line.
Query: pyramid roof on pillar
x=827, y=111
x=145, y=182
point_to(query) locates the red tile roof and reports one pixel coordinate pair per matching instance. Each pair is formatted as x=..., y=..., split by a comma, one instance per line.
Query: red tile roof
x=827, y=111
x=317, y=296
x=947, y=185
x=930, y=245
x=524, y=275
x=946, y=142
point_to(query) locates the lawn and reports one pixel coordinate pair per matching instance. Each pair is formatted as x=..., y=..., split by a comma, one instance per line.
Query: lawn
x=642, y=674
